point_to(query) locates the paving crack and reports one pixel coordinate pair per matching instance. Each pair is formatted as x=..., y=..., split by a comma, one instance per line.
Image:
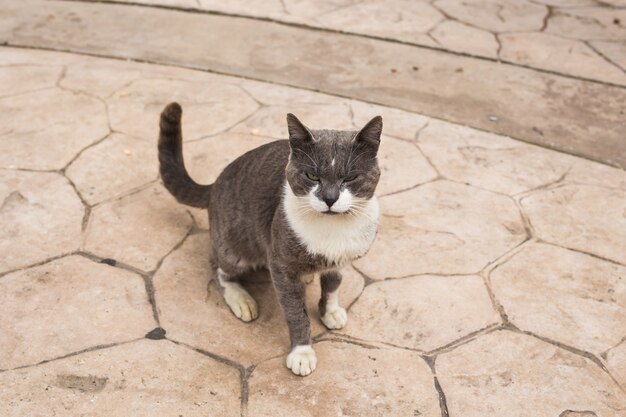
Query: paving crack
x=243, y=372
x=437, y=178
x=146, y=277
x=36, y=264
x=149, y=277
x=245, y=389
x=560, y=181
x=496, y=36
x=485, y=274
x=126, y=194
x=443, y=404
x=343, y=338
x=604, y=354
x=604, y=57
x=464, y=339
x=587, y=355
x=24, y=92
x=69, y=355
x=442, y=398
x=602, y=258
x=546, y=18
x=80, y=152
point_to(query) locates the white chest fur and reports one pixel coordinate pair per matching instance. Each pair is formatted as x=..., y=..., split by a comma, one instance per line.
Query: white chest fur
x=339, y=238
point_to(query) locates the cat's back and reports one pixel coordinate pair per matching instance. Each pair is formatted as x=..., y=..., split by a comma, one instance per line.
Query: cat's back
x=263, y=166
x=247, y=192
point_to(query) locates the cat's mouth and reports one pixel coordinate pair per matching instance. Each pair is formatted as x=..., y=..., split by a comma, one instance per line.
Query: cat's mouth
x=331, y=212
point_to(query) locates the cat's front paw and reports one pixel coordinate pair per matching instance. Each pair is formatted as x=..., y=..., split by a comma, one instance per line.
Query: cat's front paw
x=335, y=317
x=302, y=360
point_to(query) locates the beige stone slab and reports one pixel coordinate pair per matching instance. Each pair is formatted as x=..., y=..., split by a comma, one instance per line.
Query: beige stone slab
x=209, y=107
x=40, y=217
x=57, y=125
x=593, y=173
x=496, y=15
x=193, y=311
x=114, y=167
x=282, y=95
x=399, y=19
x=425, y=312
x=349, y=380
x=402, y=166
x=310, y=9
x=490, y=161
x=24, y=78
x=69, y=305
x=589, y=23
x=442, y=227
x=616, y=361
x=138, y=229
x=513, y=375
x=565, y=56
x=565, y=296
x=459, y=37
x=568, y=114
x=144, y=379
x=587, y=218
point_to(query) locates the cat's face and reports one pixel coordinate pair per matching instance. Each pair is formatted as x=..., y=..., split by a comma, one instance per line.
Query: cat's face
x=333, y=171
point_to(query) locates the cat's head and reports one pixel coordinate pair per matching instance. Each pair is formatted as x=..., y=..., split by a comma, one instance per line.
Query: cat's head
x=333, y=171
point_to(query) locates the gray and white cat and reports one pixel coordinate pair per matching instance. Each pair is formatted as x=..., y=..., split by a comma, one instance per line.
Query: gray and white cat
x=297, y=207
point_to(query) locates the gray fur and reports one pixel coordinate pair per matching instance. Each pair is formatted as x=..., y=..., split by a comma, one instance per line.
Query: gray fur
x=248, y=224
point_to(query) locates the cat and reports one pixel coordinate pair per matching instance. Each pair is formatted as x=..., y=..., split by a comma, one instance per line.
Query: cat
x=297, y=207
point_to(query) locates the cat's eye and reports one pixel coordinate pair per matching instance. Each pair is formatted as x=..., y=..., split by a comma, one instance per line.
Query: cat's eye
x=350, y=179
x=312, y=177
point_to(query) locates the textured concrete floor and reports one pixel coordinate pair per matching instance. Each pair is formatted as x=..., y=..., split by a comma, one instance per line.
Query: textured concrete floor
x=496, y=285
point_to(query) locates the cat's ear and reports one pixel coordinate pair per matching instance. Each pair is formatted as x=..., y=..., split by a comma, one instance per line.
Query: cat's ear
x=370, y=134
x=298, y=132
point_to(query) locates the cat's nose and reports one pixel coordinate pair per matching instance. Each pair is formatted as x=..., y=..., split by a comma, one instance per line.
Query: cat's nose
x=330, y=195
x=330, y=199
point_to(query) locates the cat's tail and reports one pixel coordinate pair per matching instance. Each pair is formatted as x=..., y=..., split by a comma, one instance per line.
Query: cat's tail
x=172, y=167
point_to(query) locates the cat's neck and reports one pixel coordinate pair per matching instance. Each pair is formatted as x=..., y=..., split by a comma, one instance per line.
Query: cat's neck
x=339, y=238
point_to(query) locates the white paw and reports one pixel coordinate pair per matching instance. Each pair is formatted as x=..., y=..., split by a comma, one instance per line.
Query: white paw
x=335, y=317
x=302, y=360
x=240, y=302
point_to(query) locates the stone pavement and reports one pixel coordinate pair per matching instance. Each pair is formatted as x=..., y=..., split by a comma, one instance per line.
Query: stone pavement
x=496, y=285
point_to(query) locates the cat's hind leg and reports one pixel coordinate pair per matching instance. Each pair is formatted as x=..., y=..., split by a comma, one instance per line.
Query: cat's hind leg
x=332, y=314
x=237, y=298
